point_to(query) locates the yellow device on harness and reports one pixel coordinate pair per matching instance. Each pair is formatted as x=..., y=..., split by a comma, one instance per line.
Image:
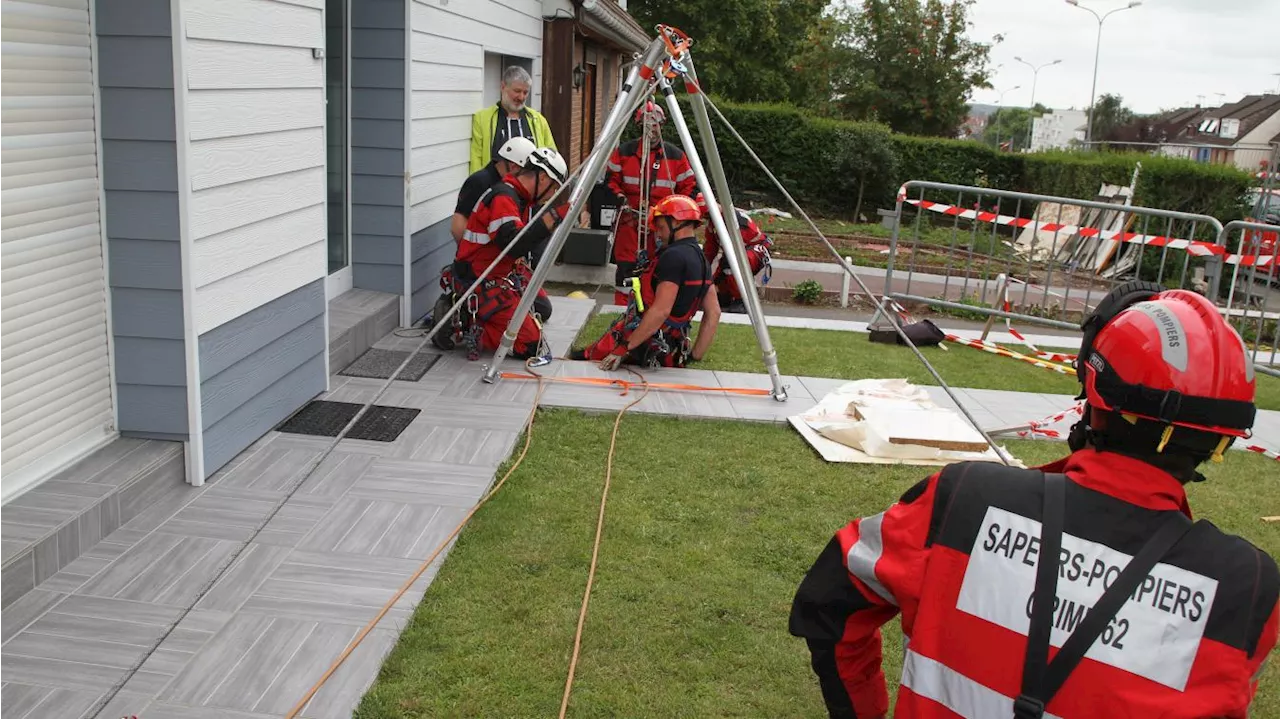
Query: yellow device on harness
x=635, y=291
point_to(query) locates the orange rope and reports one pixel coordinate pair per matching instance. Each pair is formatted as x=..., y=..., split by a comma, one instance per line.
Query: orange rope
x=626, y=386
x=302, y=703
x=595, y=549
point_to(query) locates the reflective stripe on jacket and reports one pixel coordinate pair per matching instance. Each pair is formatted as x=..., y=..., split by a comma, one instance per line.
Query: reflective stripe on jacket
x=957, y=556
x=668, y=173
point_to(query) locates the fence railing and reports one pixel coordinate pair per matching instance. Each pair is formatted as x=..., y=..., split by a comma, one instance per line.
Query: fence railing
x=1062, y=255
x=952, y=244
x=1253, y=296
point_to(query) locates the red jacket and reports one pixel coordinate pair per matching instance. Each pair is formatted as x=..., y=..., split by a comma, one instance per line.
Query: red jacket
x=957, y=557
x=501, y=213
x=668, y=173
x=751, y=235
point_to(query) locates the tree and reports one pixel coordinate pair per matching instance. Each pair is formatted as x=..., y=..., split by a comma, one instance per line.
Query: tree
x=912, y=65
x=1109, y=114
x=744, y=50
x=1012, y=126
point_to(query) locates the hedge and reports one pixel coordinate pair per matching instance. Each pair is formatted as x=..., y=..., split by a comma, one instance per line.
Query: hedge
x=823, y=163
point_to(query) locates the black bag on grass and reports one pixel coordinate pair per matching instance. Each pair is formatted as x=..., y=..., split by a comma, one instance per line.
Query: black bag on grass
x=923, y=334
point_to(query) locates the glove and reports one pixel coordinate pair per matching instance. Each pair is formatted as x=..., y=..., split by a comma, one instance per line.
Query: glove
x=614, y=360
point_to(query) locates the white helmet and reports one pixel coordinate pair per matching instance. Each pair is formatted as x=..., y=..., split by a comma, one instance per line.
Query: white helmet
x=550, y=162
x=517, y=150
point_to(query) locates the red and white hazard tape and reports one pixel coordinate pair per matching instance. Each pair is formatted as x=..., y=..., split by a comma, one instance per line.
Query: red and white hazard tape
x=1194, y=247
x=1002, y=289
x=1002, y=352
x=1268, y=453
x=1041, y=427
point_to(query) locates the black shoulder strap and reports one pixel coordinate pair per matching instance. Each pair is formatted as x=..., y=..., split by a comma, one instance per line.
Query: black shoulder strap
x=1037, y=656
x=1040, y=682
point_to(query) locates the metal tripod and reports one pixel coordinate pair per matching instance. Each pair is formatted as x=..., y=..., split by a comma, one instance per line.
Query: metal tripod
x=651, y=69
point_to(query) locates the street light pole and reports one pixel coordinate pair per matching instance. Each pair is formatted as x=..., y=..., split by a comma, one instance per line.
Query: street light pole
x=1097, y=52
x=1035, y=76
x=999, y=108
x=1034, y=81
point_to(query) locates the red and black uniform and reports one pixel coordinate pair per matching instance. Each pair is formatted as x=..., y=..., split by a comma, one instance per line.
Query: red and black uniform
x=496, y=220
x=668, y=173
x=757, y=244
x=682, y=263
x=958, y=556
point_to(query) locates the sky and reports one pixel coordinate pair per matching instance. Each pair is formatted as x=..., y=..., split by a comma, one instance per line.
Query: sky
x=1160, y=55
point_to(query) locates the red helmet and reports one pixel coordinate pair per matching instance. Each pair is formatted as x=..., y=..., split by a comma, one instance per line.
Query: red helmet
x=650, y=108
x=680, y=208
x=1169, y=357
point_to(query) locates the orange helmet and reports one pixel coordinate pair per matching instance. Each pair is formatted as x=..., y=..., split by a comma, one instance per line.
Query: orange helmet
x=680, y=208
x=1167, y=356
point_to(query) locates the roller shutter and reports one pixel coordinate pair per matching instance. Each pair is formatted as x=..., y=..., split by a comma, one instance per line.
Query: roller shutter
x=54, y=362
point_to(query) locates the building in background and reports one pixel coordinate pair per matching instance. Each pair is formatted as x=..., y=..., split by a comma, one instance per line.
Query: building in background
x=586, y=45
x=1240, y=133
x=1058, y=130
x=210, y=206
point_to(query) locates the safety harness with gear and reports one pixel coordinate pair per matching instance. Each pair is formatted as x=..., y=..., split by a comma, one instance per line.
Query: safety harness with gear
x=670, y=345
x=497, y=219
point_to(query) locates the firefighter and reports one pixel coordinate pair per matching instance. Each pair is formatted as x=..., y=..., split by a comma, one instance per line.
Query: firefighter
x=757, y=244
x=1184, y=633
x=671, y=288
x=640, y=171
x=499, y=216
x=512, y=156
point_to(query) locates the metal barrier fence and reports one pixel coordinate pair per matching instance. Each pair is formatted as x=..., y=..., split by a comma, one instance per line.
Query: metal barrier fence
x=952, y=244
x=1253, y=296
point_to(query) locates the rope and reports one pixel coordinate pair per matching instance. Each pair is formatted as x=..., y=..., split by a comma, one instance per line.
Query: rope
x=627, y=386
x=368, y=627
x=595, y=548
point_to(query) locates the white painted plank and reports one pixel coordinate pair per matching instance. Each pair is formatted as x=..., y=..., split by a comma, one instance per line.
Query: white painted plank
x=447, y=78
x=426, y=47
x=255, y=21
x=225, y=254
x=428, y=213
x=219, y=209
x=434, y=184
x=532, y=8
x=439, y=130
x=215, y=65
x=429, y=104
x=221, y=113
x=238, y=158
x=494, y=38
x=227, y=299
x=317, y=4
x=423, y=160
x=496, y=15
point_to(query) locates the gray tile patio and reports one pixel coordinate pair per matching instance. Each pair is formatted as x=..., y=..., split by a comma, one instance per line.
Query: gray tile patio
x=337, y=550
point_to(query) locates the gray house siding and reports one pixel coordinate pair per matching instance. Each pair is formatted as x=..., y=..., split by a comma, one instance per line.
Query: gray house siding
x=140, y=184
x=378, y=185
x=258, y=369
x=433, y=248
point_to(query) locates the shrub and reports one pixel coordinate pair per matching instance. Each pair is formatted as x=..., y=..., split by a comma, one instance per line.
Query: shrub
x=807, y=292
x=826, y=163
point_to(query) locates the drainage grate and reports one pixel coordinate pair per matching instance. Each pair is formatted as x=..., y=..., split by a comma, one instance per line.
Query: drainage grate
x=380, y=363
x=322, y=418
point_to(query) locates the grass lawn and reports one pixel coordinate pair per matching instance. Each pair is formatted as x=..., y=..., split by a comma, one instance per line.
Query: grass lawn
x=698, y=566
x=847, y=355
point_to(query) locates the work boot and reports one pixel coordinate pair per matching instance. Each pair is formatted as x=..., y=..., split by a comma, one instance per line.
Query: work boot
x=443, y=339
x=577, y=355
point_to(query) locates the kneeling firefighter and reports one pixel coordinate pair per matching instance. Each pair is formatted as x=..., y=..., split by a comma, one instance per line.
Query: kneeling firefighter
x=1151, y=614
x=671, y=288
x=757, y=244
x=499, y=216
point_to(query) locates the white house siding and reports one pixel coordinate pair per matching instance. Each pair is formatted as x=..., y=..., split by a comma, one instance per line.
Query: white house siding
x=448, y=47
x=55, y=365
x=253, y=120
